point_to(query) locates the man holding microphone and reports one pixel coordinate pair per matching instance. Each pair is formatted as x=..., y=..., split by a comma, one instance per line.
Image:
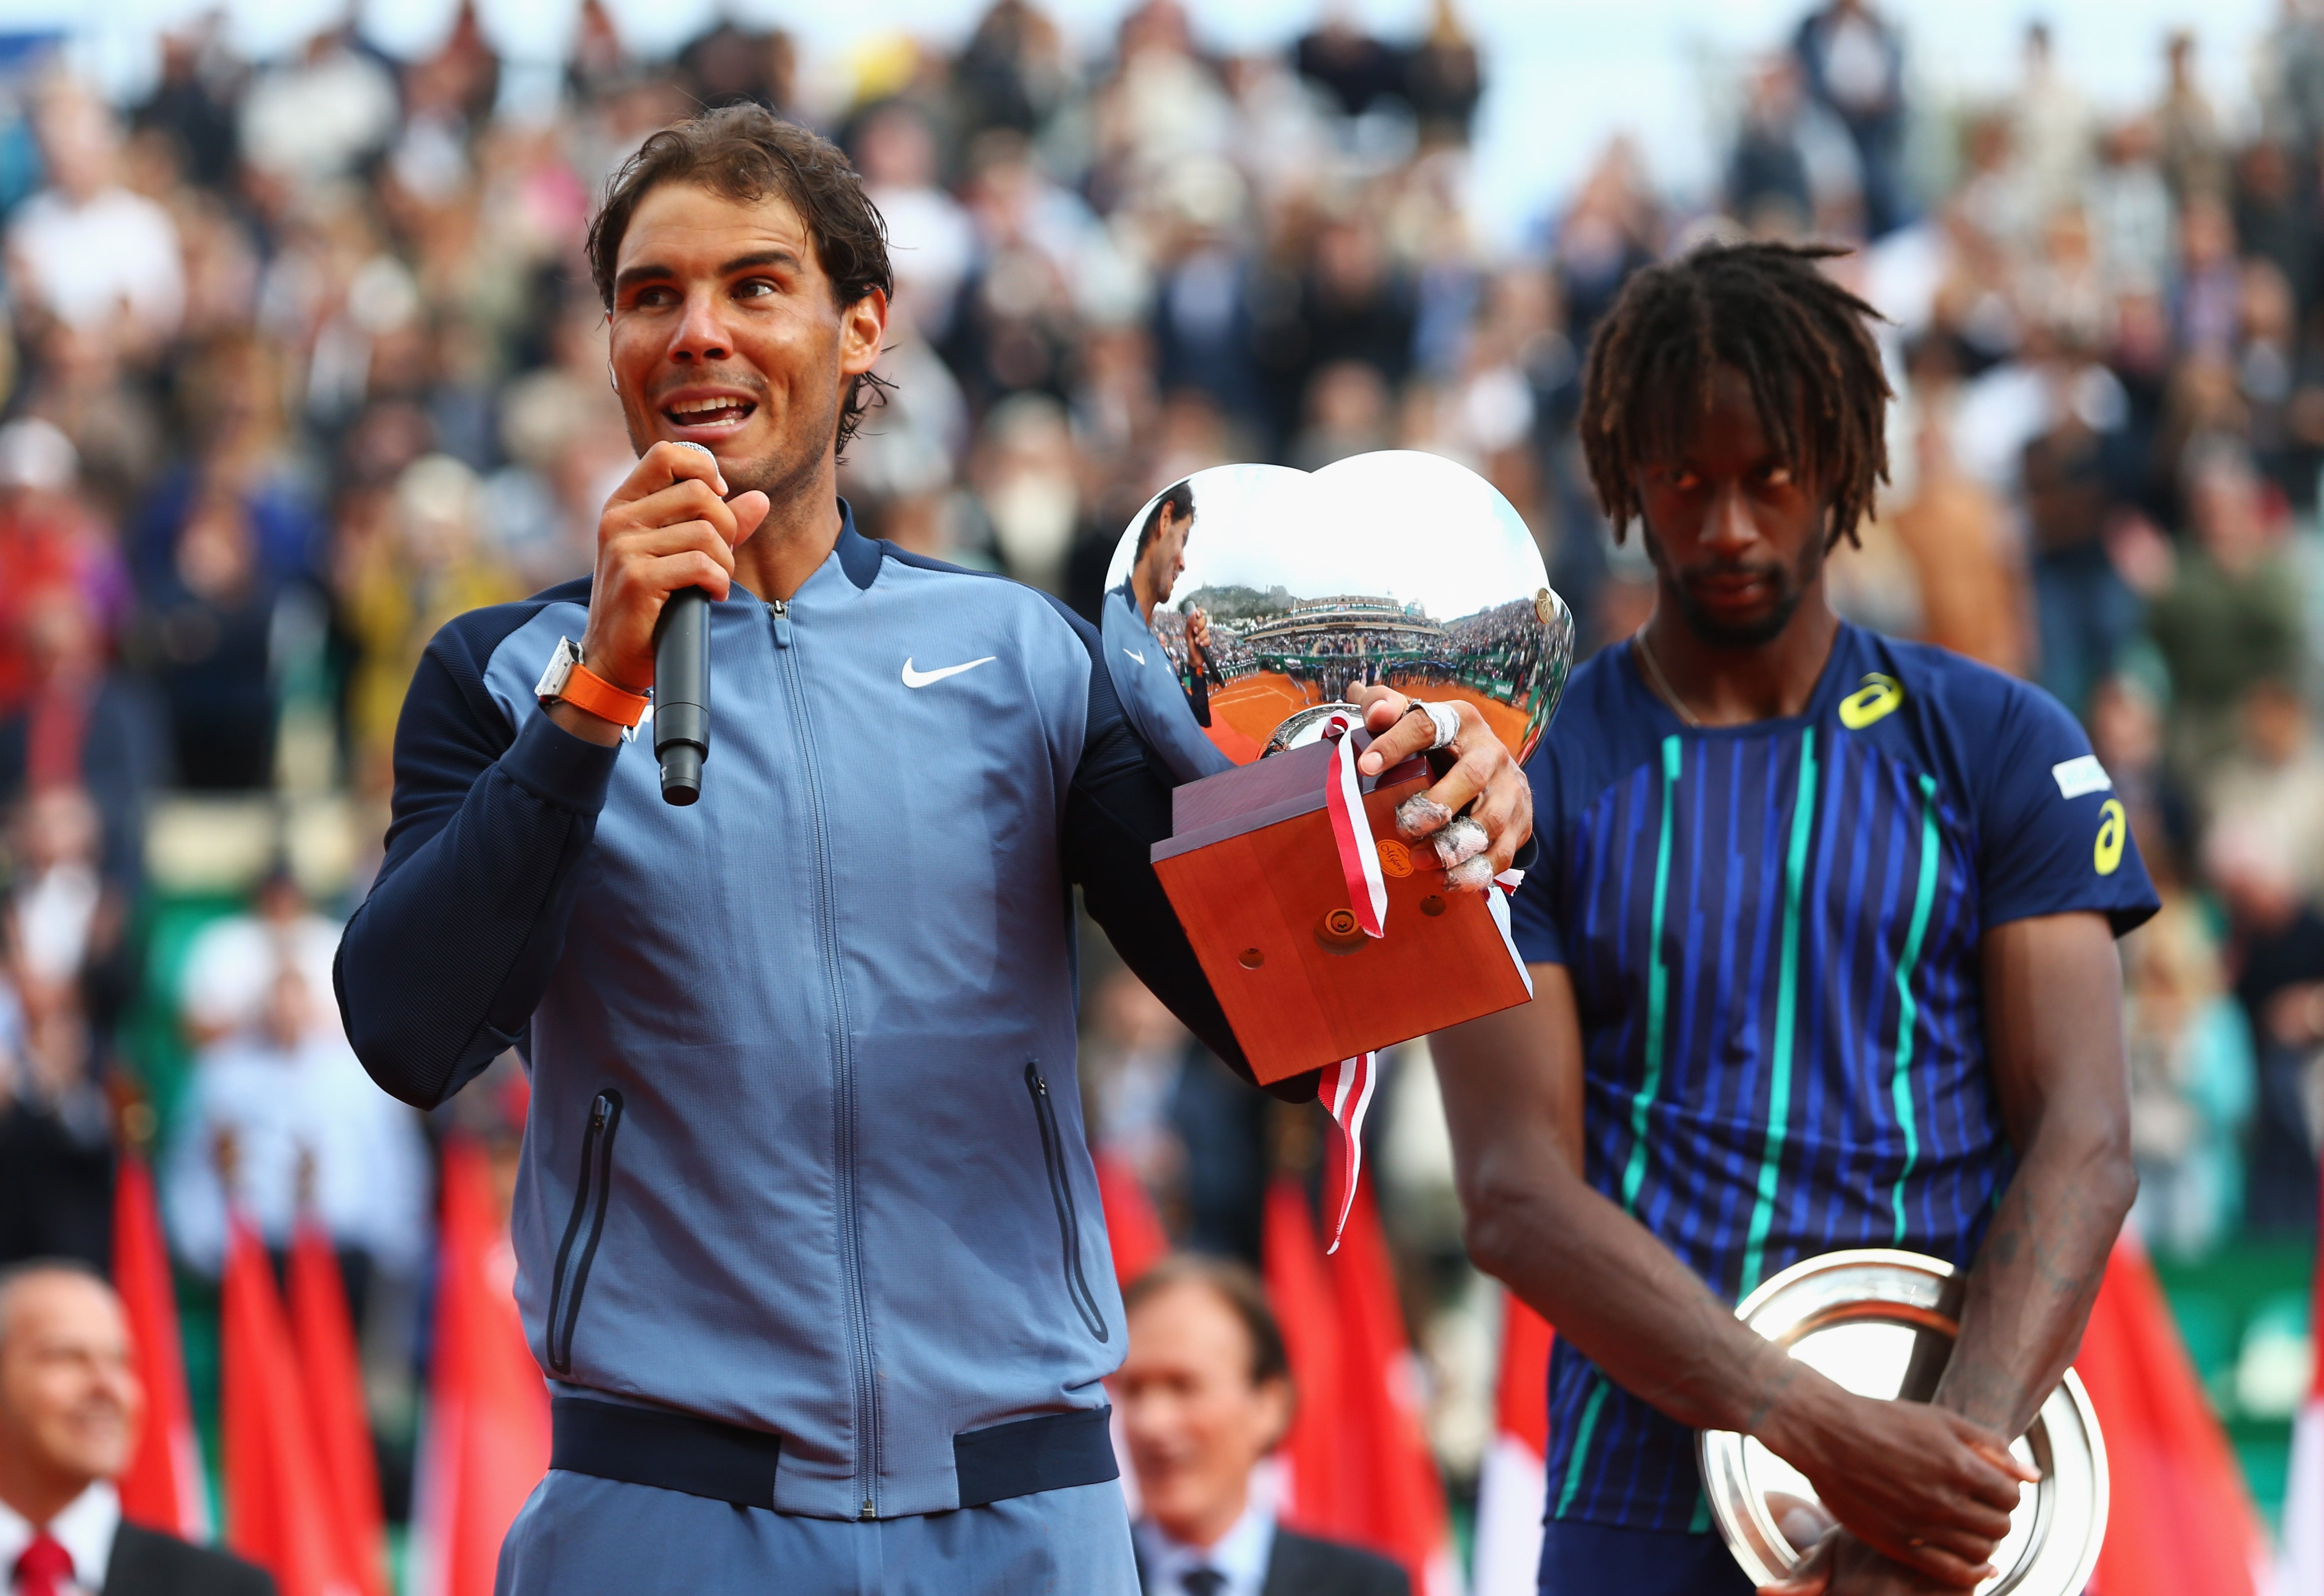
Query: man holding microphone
x=808, y=1241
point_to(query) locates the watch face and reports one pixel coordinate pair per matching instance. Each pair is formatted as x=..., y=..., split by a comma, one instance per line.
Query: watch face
x=560, y=667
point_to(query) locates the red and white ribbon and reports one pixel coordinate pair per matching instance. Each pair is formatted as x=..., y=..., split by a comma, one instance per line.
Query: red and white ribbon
x=1347, y=1086
x=1508, y=882
x=1352, y=828
x=1347, y=1092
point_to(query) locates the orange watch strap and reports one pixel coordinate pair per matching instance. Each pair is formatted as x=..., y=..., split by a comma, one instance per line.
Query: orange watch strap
x=584, y=688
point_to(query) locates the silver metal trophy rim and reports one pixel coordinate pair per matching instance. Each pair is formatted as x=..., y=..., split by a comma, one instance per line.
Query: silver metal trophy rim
x=1395, y=568
x=2062, y=1516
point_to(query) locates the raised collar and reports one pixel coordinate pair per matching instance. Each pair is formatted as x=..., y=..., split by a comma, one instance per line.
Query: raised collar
x=859, y=556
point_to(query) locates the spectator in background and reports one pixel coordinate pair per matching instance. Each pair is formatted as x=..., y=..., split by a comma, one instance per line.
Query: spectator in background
x=280, y=1120
x=1768, y=187
x=2087, y=612
x=2268, y=794
x=1205, y=1393
x=66, y=944
x=930, y=235
x=86, y=251
x=1356, y=69
x=1854, y=67
x=49, y=540
x=192, y=104
x=1443, y=80
x=2230, y=617
x=403, y=575
x=1955, y=534
x=82, y=724
x=2187, y=129
x=313, y=118
x=71, y=1409
x=208, y=637
x=71, y=958
x=231, y=964
x=2277, y=954
x=2191, y=1083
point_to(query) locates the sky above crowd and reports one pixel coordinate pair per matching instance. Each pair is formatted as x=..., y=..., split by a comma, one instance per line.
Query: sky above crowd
x=1563, y=76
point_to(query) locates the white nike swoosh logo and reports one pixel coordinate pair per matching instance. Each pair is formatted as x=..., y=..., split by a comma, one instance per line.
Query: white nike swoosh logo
x=1139, y=657
x=921, y=679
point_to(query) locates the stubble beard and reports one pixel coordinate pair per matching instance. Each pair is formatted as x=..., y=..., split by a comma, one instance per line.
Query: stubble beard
x=786, y=468
x=1793, y=582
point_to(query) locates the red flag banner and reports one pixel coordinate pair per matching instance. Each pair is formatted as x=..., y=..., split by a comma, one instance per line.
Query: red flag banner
x=1512, y=1490
x=1133, y=1226
x=335, y=1401
x=486, y=1443
x=164, y=1488
x=1357, y=1466
x=279, y=1513
x=2180, y=1520
x=1397, y=1497
x=1313, y=1454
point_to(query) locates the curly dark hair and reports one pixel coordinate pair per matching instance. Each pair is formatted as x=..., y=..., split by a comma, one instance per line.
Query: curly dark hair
x=746, y=152
x=1768, y=311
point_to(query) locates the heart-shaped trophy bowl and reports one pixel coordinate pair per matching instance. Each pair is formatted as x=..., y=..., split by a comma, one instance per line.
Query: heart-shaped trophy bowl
x=1398, y=569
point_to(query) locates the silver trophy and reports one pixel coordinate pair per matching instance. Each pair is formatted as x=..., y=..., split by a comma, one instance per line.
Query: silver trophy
x=1398, y=568
x=1882, y=1323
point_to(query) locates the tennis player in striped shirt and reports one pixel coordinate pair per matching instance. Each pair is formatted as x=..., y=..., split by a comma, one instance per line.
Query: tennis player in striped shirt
x=1822, y=940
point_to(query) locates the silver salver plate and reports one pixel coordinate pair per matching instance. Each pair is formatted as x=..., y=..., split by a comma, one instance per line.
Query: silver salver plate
x=1882, y=1323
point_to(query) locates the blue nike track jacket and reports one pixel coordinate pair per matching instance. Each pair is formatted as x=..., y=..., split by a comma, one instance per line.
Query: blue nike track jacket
x=805, y=1151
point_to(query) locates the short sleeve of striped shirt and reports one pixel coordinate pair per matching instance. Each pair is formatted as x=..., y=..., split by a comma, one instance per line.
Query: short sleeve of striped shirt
x=1532, y=927
x=2051, y=836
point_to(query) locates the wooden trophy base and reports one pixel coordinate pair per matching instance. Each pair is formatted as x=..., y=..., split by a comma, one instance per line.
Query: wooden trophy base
x=1254, y=875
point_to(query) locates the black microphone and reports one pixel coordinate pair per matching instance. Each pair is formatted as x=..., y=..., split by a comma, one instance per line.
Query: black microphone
x=681, y=715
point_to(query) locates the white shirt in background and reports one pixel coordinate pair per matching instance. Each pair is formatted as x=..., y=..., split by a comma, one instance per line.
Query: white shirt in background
x=85, y=1528
x=232, y=963
x=87, y=261
x=281, y=1104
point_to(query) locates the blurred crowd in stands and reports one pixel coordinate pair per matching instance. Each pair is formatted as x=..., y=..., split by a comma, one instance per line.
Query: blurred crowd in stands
x=299, y=358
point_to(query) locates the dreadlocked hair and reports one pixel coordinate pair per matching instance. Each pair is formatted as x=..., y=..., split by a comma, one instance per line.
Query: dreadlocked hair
x=1768, y=311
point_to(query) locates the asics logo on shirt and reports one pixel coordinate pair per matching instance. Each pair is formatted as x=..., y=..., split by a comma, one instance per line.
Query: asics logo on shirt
x=921, y=679
x=1879, y=694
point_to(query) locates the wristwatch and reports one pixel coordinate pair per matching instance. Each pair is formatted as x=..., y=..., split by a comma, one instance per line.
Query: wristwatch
x=567, y=679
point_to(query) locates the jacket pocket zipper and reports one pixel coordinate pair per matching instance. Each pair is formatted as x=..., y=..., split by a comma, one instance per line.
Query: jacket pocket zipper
x=1061, y=1192
x=596, y=1182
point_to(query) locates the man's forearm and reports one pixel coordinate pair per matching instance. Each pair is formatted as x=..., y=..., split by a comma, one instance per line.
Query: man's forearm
x=2053, y=1022
x=441, y=966
x=1625, y=1300
x=2029, y=1294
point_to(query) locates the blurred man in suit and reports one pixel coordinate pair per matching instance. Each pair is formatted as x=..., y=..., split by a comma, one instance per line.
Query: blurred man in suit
x=69, y=1407
x=1204, y=1394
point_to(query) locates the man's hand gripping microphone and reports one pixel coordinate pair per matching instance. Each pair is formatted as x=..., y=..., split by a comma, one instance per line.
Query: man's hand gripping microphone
x=681, y=714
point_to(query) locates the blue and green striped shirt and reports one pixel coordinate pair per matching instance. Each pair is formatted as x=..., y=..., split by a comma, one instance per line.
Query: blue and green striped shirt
x=1772, y=931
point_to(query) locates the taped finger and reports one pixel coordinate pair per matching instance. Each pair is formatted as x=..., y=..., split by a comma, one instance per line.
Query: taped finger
x=1442, y=717
x=1462, y=839
x=1421, y=815
x=1471, y=875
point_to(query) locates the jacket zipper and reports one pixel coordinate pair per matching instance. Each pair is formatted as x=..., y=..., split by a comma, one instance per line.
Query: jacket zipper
x=1061, y=1192
x=597, y=1179
x=851, y=1244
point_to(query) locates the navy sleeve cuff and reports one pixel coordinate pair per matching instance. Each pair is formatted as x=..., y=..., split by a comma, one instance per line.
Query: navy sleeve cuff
x=557, y=768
